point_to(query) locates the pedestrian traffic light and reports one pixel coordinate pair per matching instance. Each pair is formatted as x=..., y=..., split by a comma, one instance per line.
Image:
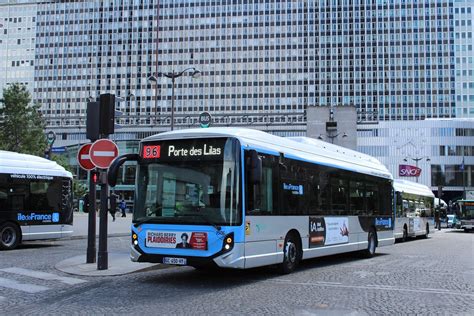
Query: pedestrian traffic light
x=95, y=176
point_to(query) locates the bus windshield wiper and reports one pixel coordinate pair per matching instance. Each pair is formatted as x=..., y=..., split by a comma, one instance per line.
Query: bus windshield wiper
x=145, y=221
x=205, y=218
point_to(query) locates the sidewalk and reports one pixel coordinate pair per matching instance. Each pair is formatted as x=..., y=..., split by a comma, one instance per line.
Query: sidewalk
x=121, y=226
x=119, y=263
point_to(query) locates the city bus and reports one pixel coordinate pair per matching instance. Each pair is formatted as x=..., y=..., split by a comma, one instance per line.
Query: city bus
x=413, y=209
x=242, y=198
x=465, y=215
x=35, y=199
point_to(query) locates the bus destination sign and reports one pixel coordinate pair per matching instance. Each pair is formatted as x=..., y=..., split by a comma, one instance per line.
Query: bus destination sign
x=184, y=150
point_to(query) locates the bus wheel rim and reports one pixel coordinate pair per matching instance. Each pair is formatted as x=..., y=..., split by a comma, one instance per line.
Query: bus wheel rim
x=8, y=236
x=291, y=252
x=371, y=243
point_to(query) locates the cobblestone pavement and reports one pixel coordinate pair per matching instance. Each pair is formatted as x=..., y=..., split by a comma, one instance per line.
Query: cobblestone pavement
x=432, y=276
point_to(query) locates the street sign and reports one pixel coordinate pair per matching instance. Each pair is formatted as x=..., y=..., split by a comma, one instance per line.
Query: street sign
x=408, y=171
x=205, y=119
x=58, y=150
x=103, y=152
x=83, y=157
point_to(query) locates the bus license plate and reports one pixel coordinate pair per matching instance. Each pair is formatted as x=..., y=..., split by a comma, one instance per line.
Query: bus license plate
x=178, y=261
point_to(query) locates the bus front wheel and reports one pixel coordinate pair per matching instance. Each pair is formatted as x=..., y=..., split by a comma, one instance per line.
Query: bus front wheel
x=291, y=254
x=9, y=236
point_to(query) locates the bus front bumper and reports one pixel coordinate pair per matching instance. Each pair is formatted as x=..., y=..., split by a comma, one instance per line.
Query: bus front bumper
x=231, y=259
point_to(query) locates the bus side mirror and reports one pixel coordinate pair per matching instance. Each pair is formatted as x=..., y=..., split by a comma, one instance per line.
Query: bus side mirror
x=255, y=167
x=115, y=166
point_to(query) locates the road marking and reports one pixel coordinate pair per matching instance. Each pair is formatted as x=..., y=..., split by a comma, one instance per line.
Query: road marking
x=25, y=287
x=377, y=288
x=43, y=275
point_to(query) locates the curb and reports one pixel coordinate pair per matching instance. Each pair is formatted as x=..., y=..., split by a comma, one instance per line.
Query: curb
x=109, y=235
x=118, y=264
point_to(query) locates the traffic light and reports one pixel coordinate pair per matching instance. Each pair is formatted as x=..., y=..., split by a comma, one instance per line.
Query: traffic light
x=107, y=114
x=95, y=176
x=92, y=123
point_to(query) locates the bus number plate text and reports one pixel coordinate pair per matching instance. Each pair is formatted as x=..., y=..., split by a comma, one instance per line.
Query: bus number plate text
x=178, y=261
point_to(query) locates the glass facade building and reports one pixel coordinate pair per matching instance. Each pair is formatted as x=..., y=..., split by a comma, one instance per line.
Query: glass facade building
x=17, y=42
x=464, y=54
x=442, y=148
x=262, y=62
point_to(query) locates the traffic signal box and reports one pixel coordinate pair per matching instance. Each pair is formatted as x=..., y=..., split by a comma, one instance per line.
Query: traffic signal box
x=100, y=117
x=107, y=114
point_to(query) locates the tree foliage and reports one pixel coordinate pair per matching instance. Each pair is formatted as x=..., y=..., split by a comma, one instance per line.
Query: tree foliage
x=21, y=124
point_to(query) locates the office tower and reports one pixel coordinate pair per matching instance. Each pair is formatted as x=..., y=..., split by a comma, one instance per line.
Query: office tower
x=17, y=42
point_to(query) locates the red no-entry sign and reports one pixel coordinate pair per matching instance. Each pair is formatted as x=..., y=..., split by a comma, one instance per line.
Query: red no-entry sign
x=103, y=152
x=83, y=157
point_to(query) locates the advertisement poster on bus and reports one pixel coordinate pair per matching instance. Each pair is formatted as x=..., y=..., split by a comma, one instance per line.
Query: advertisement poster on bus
x=417, y=224
x=183, y=240
x=337, y=230
x=324, y=231
x=317, y=231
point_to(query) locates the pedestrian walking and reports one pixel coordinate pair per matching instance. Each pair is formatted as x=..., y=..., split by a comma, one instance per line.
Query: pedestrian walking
x=437, y=219
x=113, y=205
x=123, y=207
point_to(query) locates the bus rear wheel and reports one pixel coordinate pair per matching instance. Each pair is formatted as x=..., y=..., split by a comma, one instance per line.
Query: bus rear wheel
x=291, y=254
x=371, y=244
x=9, y=236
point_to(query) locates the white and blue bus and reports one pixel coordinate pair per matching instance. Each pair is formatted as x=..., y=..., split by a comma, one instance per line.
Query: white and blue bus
x=414, y=210
x=242, y=198
x=35, y=199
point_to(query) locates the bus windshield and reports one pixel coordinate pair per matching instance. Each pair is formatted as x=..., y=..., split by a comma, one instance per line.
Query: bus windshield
x=467, y=210
x=189, y=182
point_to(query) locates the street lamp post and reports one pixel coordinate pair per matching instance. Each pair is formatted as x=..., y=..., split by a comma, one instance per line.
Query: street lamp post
x=173, y=75
x=331, y=128
x=416, y=160
x=331, y=137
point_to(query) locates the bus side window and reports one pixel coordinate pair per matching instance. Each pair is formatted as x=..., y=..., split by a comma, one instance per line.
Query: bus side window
x=357, y=199
x=339, y=189
x=372, y=194
x=385, y=206
x=260, y=197
x=313, y=200
x=325, y=191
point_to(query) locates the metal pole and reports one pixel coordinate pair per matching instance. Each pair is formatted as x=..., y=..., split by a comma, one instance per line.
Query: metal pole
x=91, y=258
x=172, y=102
x=416, y=164
x=156, y=56
x=102, y=263
x=464, y=195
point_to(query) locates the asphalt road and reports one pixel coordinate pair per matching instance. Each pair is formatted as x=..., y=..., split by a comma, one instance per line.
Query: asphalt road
x=422, y=276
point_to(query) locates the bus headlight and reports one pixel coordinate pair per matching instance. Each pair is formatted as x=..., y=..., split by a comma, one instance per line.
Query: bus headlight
x=134, y=239
x=228, y=242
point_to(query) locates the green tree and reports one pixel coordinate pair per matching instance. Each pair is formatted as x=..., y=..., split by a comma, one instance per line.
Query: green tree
x=21, y=124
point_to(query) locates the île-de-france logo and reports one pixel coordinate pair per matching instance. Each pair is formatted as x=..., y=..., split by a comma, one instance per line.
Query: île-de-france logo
x=55, y=218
